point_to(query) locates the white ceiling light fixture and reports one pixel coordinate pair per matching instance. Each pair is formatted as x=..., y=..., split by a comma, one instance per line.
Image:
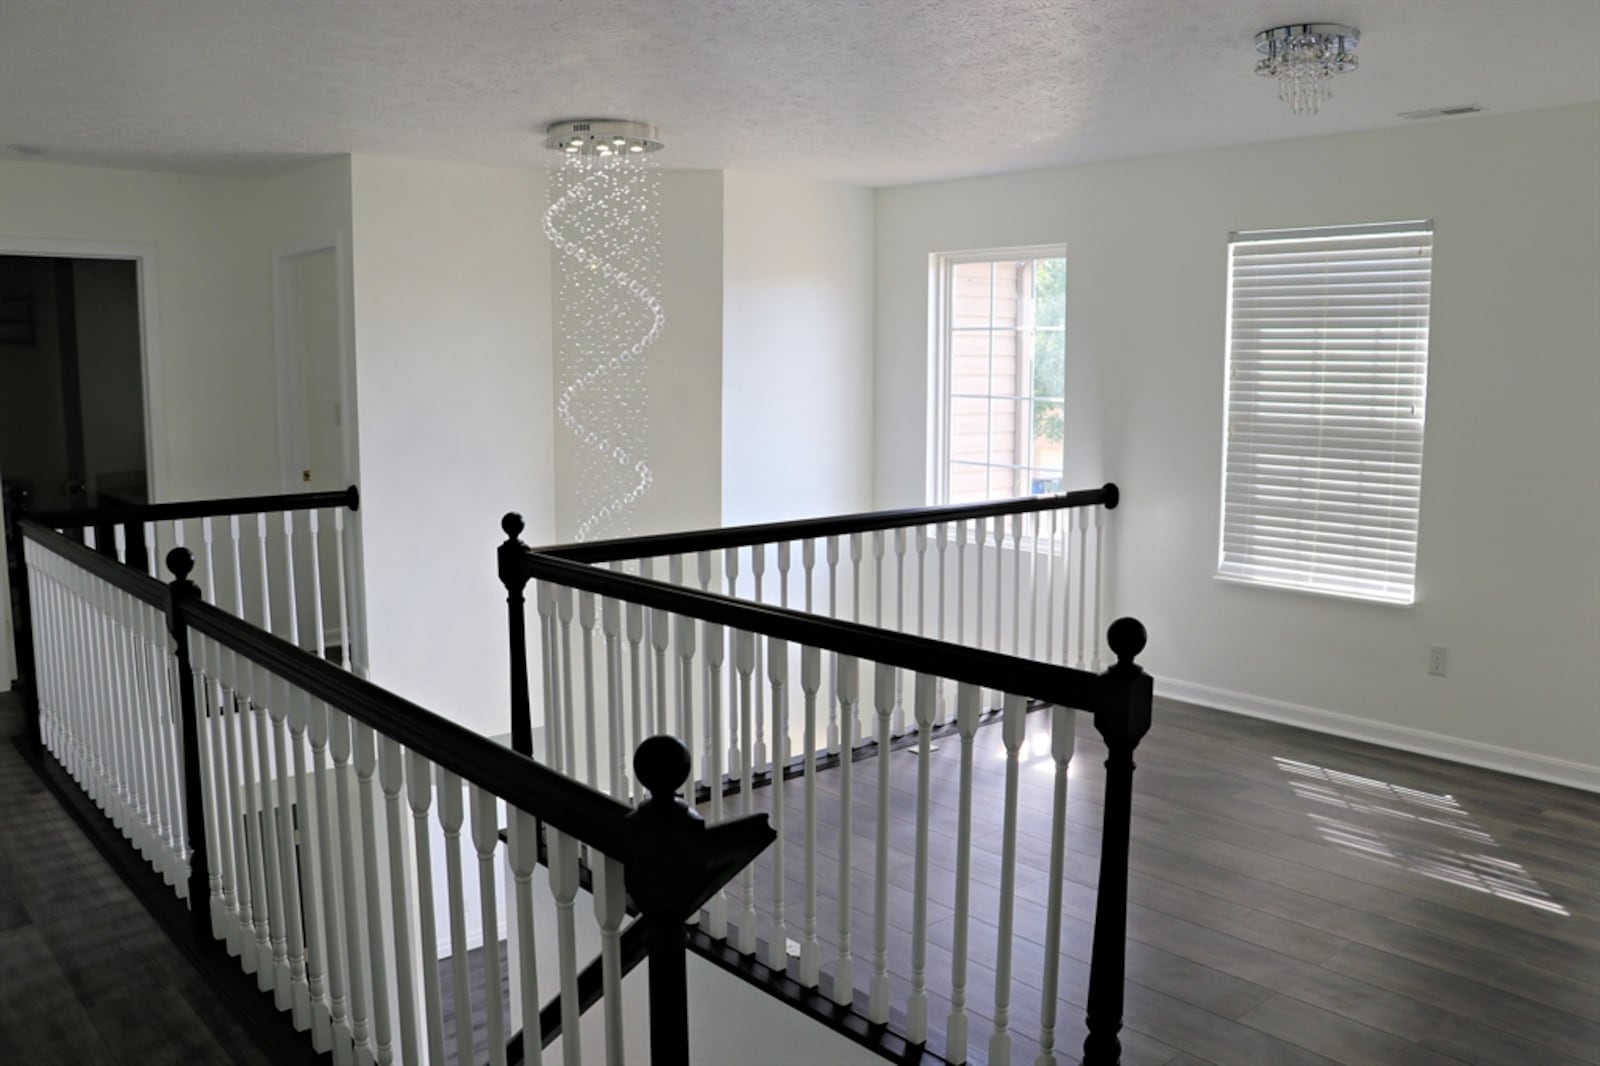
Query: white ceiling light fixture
x=1304, y=57
x=604, y=222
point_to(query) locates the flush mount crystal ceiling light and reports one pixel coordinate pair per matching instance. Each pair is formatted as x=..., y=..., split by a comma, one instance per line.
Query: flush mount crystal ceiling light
x=1304, y=58
x=604, y=223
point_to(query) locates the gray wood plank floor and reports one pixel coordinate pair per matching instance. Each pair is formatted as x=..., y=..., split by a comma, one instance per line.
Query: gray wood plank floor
x=1294, y=898
x=86, y=975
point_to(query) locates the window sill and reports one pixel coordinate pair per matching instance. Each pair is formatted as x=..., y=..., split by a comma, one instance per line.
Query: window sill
x=1311, y=590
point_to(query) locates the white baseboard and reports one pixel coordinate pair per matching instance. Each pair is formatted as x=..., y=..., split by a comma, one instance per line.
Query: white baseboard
x=1490, y=757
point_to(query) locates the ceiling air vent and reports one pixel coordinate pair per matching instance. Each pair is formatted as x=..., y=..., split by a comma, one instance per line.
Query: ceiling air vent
x=1442, y=112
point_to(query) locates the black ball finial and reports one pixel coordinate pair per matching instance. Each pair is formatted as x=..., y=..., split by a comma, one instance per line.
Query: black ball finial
x=662, y=764
x=512, y=524
x=1127, y=638
x=180, y=561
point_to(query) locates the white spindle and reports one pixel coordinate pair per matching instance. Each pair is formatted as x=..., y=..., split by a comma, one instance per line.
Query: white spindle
x=1012, y=733
x=1099, y=604
x=266, y=586
x=730, y=559
x=1015, y=646
x=637, y=677
x=999, y=581
x=980, y=537
x=610, y=907
x=332, y=890
x=347, y=637
x=563, y=858
x=885, y=678
x=684, y=634
x=704, y=570
x=288, y=860
x=1037, y=520
x=1063, y=730
x=1050, y=589
x=833, y=612
x=849, y=689
x=260, y=686
x=778, y=676
x=486, y=837
x=1083, y=581
x=899, y=627
x=366, y=765
x=568, y=761
x=290, y=598
x=451, y=814
x=523, y=848
x=616, y=727
x=758, y=568
x=263, y=848
x=219, y=820
x=747, y=878
x=351, y=890
x=419, y=792
x=660, y=634
x=554, y=668
x=810, y=680
x=956, y=1027
x=319, y=638
x=391, y=778
x=917, y=1005
x=310, y=861
x=591, y=737
x=712, y=635
x=242, y=942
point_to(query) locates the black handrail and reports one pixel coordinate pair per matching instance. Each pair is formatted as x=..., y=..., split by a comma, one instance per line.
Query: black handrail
x=605, y=551
x=1060, y=685
x=215, y=508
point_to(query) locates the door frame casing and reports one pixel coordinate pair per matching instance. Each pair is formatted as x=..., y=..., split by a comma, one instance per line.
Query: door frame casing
x=145, y=270
x=291, y=414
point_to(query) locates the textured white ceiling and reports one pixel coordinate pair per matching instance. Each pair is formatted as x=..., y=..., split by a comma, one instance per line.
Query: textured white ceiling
x=875, y=92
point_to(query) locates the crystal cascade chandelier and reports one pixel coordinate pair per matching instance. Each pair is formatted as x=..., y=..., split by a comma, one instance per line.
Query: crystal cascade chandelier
x=1304, y=58
x=604, y=224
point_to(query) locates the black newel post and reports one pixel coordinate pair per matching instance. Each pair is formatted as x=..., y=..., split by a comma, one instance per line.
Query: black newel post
x=180, y=591
x=665, y=838
x=515, y=580
x=1122, y=721
x=16, y=504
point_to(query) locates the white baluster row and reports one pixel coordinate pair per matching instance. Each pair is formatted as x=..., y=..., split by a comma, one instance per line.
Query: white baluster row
x=107, y=709
x=286, y=571
x=718, y=704
x=324, y=893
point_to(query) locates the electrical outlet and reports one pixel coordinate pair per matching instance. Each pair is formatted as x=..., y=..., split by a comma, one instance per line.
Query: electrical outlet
x=1437, y=658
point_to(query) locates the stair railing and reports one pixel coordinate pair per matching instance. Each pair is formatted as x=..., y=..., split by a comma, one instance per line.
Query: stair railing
x=683, y=661
x=307, y=818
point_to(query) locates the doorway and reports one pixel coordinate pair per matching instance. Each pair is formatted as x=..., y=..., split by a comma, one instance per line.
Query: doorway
x=75, y=411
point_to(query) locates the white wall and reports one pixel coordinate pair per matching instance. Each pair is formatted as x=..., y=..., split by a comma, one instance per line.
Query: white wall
x=452, y=341
x=797, y=348
x=1509, y=567
x=683, y=370
x=214, y=338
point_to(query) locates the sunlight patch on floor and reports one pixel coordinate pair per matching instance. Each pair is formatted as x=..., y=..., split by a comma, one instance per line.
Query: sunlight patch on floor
x=1425, y=832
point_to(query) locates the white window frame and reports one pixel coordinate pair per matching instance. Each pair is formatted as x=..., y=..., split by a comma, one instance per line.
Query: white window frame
x=940, y=267
x=1361, y=551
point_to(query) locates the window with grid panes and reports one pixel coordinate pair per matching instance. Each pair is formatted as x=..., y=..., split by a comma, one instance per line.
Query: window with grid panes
x=1326, y=393
x=1002, y=334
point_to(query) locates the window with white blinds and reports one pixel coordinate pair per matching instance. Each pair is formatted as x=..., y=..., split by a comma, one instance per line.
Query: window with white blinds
x=1326, y=389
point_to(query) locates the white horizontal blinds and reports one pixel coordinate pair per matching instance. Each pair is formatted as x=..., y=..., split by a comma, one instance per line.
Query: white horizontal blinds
x=1327, y=378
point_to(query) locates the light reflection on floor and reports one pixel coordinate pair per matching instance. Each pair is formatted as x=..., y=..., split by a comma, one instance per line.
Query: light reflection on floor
x=1424, y=832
